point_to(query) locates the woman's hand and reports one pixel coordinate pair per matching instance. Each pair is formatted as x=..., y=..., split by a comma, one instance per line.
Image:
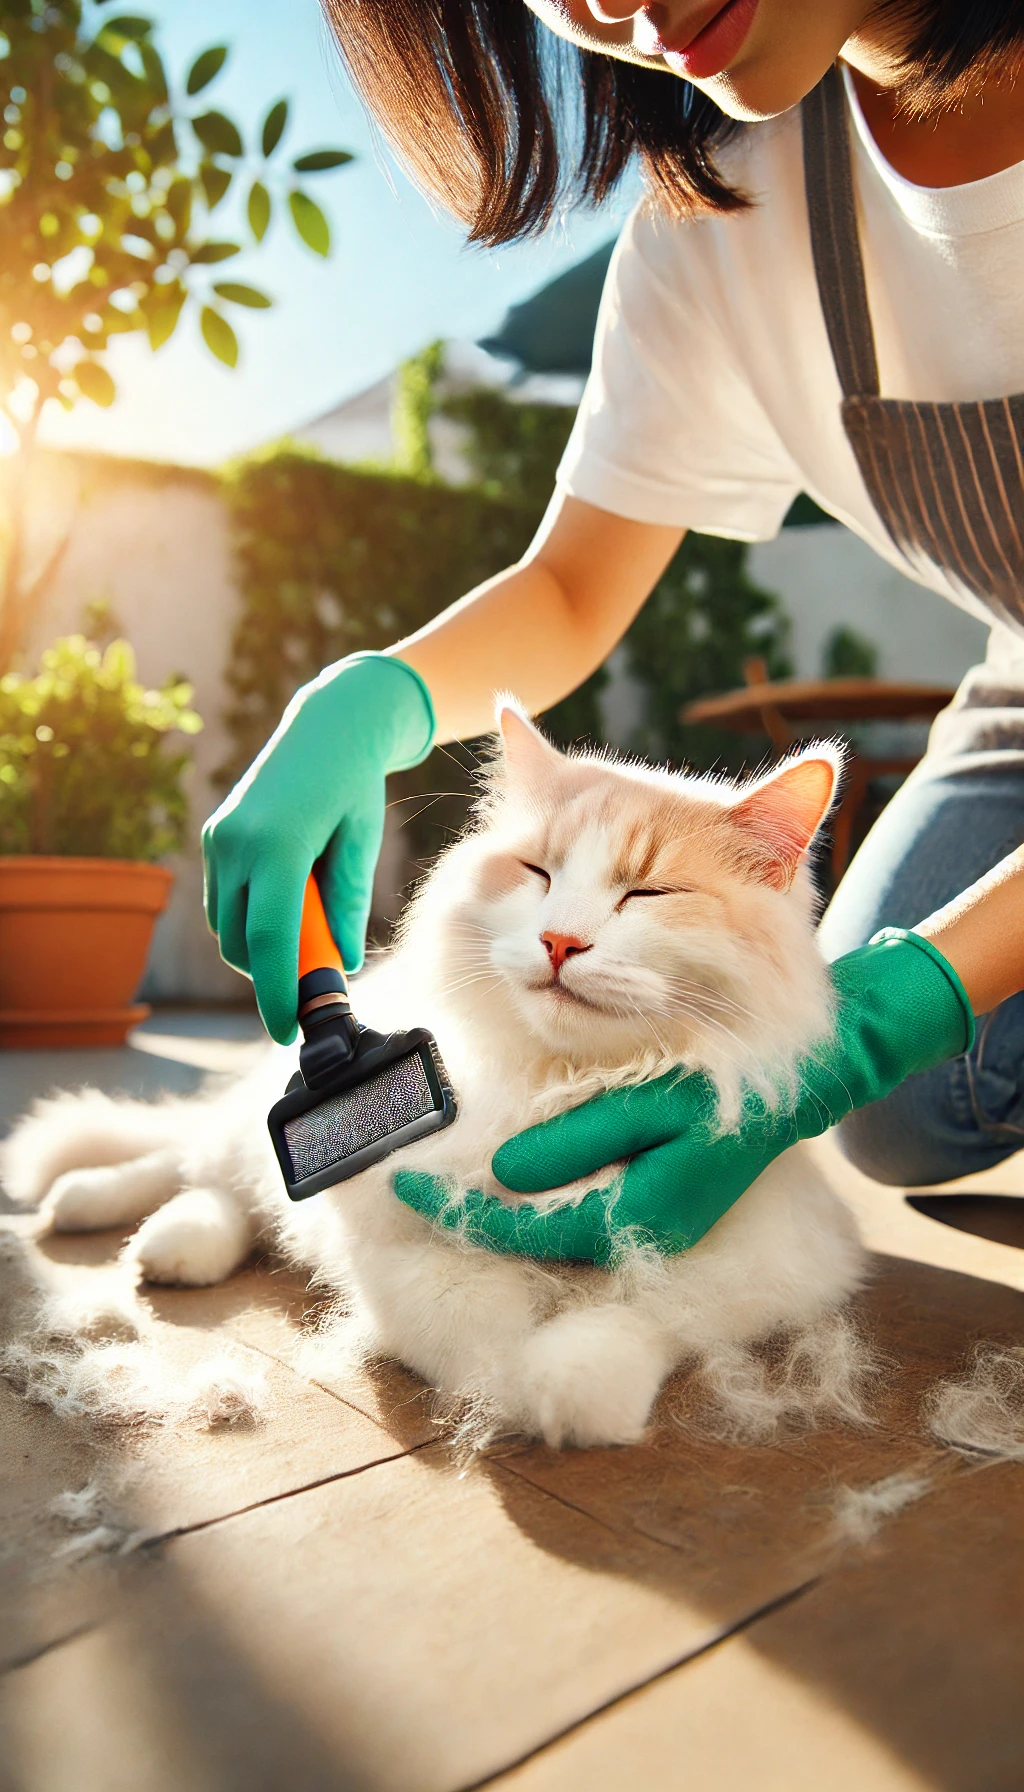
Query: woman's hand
x=315, y=792
x=900, y=1008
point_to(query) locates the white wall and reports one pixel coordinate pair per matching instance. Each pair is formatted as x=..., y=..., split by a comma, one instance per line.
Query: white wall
x=827, y=577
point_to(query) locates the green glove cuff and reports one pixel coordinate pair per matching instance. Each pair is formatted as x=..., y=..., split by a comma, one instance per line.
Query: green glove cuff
x=397, y=699
x=960, y=1032
x=901, y=1009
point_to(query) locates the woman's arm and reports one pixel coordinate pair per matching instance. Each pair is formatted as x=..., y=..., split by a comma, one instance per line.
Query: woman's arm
x=981, y=934
x=316, y=791
x=541, y=627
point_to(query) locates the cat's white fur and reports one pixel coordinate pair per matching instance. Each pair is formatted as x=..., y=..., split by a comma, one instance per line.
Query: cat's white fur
x=718, y=972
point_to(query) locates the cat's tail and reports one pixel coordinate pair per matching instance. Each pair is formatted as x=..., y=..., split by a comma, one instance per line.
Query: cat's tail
x=83, y=1130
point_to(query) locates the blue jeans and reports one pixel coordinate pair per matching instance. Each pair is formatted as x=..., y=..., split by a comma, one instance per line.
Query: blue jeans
x=957, y=815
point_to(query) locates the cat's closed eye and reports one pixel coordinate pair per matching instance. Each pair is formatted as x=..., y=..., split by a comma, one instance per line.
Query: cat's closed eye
x=676, y=890
x=538, y=871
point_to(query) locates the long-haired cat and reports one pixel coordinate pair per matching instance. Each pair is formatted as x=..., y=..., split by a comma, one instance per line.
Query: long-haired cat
x=598, y=923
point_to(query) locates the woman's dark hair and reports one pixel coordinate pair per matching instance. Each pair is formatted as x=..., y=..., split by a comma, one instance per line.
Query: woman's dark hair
x=502, y=121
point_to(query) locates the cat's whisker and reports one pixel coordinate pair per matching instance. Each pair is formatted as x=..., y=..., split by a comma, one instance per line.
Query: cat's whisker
x=477, y=761
x=718, y=998
x=662, y=1047
x=417, y=796
x=701, y=1018
x=468, y=981
x=707, y=1002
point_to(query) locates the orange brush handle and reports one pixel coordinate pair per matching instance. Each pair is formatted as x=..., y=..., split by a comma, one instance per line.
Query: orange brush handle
x=317, y=950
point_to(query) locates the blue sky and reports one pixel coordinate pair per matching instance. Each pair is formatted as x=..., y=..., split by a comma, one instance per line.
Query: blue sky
x=399, y=275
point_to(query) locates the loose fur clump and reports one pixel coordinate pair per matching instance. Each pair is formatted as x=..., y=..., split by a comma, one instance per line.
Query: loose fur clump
x=982, y=1412
x=814, y=1377
x=90, y=1526
x=74, y=1317
x=102, y=1540
x=81, y=1508
x=600, y=923
x=132, y=1384
x=862, y=1511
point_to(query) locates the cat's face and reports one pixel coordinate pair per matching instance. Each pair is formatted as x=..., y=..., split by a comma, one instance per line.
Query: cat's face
x=614, y=911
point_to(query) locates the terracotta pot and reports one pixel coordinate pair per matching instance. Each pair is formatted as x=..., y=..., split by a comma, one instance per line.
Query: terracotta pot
x=74, y=934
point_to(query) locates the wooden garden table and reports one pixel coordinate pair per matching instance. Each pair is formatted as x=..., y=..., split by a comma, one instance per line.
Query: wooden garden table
x=772, y=706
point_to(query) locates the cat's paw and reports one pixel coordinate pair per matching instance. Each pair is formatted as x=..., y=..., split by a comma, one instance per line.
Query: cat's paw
x=85, y=1201
x=91, y=1198
x=590, y=1377
x=199, y=1238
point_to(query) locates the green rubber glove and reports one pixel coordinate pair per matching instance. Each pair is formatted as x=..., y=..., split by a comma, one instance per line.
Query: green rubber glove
x=900, y=1008
x=316, y=792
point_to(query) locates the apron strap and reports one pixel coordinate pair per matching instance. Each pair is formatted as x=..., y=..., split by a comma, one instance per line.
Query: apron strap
x=835, y=240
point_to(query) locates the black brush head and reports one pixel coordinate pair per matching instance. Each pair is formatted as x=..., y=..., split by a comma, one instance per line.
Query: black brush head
x=392, y=1090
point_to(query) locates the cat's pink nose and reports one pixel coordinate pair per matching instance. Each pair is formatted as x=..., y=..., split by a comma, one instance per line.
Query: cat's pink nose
x=560, y=946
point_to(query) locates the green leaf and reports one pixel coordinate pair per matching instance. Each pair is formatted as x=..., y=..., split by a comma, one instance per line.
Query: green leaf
x=217, y=134
x=219, y=337
x=127, y=26
x=310, y=223
x=179, y=204
x=273, y=126
x=216, y=182
x=242, y=295
x=162, y=146
x=320, y=160
x=205, y=67
x=259, y=210
x=162, y=314
x=94, y=382
x=208, y=252
x=156, y=75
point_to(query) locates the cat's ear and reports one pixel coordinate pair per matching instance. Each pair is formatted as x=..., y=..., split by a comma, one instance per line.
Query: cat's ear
x=784, y=811
x=528, y=758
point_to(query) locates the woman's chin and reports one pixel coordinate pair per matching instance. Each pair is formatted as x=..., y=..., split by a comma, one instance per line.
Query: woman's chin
x=751, y=96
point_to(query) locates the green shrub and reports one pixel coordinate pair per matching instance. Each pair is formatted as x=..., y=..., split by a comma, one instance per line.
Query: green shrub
x=703, y=619
x=847, y=654
x=84, y=765
x=334, y=560
x=512, y=448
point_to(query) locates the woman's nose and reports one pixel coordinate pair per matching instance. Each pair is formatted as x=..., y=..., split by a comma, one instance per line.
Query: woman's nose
x=560, y=946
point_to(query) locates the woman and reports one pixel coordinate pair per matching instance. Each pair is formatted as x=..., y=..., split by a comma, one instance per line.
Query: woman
x=821, y=293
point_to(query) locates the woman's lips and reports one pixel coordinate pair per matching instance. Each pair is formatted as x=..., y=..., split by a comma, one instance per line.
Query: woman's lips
x=715, y=46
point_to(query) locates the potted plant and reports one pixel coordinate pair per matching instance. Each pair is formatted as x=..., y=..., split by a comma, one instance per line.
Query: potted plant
x=91, y=794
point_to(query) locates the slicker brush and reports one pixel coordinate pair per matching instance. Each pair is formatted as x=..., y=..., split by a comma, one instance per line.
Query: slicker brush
x=357, y=1095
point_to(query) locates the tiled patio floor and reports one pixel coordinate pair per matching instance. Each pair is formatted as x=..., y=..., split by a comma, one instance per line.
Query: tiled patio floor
x=329, y=1601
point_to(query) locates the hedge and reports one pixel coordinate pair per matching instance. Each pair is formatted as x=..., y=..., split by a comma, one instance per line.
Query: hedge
x=334, y=559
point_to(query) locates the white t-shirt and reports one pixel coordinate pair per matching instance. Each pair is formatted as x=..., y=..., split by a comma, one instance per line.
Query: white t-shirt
x=714, y=398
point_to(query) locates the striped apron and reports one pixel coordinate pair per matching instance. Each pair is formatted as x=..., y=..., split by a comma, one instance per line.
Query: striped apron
x=947, y=480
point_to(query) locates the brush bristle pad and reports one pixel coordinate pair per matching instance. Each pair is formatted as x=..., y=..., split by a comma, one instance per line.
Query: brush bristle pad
x=344, y=1124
